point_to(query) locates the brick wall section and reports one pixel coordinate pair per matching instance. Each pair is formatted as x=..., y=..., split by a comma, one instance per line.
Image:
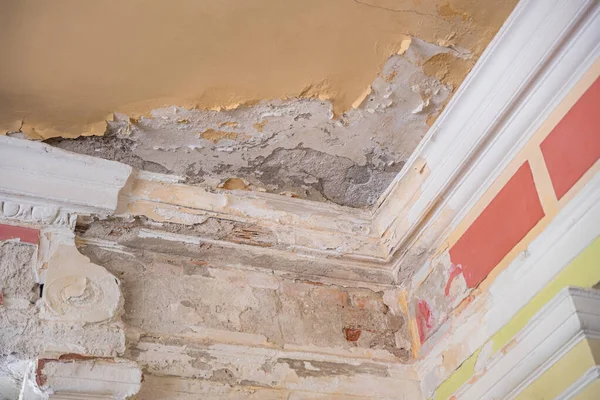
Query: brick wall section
x=503, y=223
x=573, y=146
x=25, y=235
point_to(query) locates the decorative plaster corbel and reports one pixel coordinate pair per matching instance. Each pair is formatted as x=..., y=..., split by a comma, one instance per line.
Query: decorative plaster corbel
x=79, y=290
x=44, y=188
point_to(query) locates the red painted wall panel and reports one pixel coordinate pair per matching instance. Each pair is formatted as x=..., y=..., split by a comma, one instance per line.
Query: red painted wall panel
x=573, y=146
x=26, y=235
x=514, y=211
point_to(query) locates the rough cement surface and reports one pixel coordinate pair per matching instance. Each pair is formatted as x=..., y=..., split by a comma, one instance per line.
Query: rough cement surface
x=293, y=147
x=16, y=271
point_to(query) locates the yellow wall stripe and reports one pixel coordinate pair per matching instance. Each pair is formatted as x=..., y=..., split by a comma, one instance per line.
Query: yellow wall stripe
x=563, y=373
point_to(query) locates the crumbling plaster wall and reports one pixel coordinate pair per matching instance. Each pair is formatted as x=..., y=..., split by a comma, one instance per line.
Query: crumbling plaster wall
x=230, y=325
x=206, y=328
x=166, y=294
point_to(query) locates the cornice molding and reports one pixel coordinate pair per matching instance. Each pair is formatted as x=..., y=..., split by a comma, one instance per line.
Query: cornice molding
x=592, y=375
x=37, y=174
x=296, y=225
x=35, y=214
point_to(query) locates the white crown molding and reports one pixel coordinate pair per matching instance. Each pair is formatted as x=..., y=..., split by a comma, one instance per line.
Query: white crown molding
x=18, y=213
x=542, y=50
x=569, y=233
x=592, y=375
x=571, y=316
x=37, y=174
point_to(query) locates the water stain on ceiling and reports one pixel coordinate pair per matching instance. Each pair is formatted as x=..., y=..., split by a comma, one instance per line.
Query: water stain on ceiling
x=317, y=99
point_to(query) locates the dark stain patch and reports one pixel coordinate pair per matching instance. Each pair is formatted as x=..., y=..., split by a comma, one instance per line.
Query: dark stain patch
x=135, y=352
x=187, y=303
x=317, y=175
x=194, y=174
x=109, y=147
x=201, y=355
x=199, y=364
x=246, y=382
x=302, y=116
x=310, y=368
x=196, y=267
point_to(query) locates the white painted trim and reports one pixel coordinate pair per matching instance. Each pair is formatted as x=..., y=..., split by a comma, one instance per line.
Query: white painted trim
x=88, y=378
x=540, y=53
x=570, y=317
x=591, y=376
x=569, y=233
x=37, y=174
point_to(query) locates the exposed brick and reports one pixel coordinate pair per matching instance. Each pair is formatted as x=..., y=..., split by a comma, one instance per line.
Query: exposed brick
x=573, y=146
x=514, y=211
x=26, y=235
x=352, y=334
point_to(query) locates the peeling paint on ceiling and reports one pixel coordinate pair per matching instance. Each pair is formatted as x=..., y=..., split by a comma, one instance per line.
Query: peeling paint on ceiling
x=291, y=147
x=318, y=100
x=68, y=64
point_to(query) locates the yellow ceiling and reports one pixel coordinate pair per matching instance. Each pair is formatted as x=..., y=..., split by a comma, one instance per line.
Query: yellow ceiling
x=68, y=64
